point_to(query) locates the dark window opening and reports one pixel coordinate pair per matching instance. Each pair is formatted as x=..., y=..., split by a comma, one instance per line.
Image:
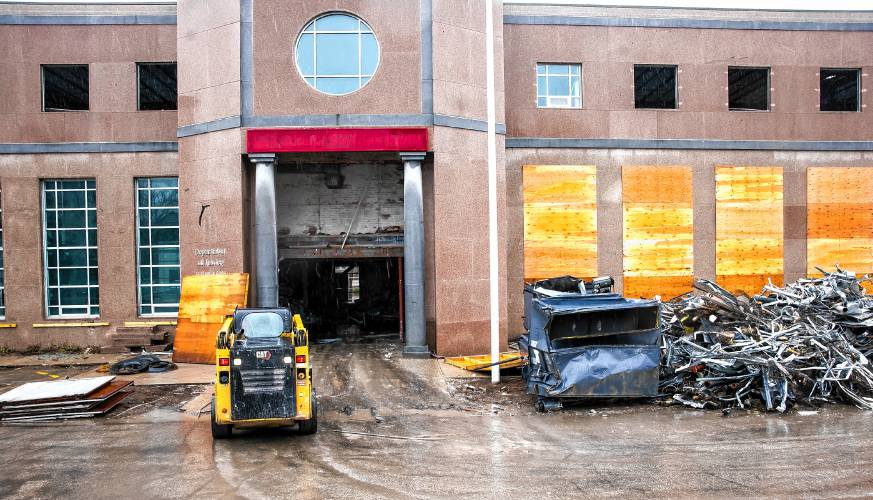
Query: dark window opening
x=654, y=87
x=65, y=87
x=840, y=89
x=748, y=89
x=157, y=86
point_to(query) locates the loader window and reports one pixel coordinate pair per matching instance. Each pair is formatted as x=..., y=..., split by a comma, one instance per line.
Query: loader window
x=262, y=325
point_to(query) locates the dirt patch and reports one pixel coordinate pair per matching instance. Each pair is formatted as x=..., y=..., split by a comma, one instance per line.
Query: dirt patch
x=146, y=398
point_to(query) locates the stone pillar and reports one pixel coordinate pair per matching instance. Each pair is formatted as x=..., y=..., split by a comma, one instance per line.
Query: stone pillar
x=266, y=245
x=413, y=257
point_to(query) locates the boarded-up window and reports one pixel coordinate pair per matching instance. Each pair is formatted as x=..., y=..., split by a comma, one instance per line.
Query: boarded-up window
x=658, y=230
x=840, y=89
x=748, y=89
x=157, y=86
x=748, y=227
x=654, y=86
x=65, y=87
x=560, y=221
x=839, y=224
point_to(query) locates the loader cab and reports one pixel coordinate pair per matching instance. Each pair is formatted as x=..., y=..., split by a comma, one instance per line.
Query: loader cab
x=263, y=372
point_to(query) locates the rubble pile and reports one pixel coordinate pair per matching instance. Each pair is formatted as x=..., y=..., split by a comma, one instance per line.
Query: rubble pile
x=809, y=341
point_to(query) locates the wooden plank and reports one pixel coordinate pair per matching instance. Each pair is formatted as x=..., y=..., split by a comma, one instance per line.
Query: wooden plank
x=204, y=302
x=839, y=220
x=749, y=236
x=560, y=221
x=658, y=232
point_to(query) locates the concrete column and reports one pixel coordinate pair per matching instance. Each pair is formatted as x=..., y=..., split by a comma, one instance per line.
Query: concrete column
x=413, y=257
x=266, y=244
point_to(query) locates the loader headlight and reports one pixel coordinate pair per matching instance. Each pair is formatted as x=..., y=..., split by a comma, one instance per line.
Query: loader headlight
x=287, y=360
x=237, y=361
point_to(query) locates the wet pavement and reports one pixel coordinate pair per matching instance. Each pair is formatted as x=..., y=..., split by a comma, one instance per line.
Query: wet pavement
x=391, y=427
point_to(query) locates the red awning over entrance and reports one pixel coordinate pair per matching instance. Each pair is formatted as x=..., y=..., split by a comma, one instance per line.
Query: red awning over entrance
x=312, y=140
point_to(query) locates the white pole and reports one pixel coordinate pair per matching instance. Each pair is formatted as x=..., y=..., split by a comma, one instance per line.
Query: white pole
x=492, y=192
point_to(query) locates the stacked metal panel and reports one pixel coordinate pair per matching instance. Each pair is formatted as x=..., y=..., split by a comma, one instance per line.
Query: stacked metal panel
x=62, y=399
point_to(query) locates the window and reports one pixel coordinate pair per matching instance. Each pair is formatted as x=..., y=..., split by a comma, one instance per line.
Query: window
x=337, y=53
x=65, y=87
x=157, y=224
x=354, y=283
x=654, y=86
x=157, y=86
x=70, y=241
x=559, y=85
x=2, y=272
x=748, y=89
x=840, y=89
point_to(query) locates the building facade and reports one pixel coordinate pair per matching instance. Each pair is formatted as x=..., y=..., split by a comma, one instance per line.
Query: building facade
x=337, y=152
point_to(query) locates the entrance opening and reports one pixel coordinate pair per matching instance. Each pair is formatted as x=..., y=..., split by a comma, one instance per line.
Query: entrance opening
x=340, y=246
x=346, y=299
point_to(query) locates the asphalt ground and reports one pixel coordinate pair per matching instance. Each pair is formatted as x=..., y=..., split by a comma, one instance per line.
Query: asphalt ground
x=391, y=427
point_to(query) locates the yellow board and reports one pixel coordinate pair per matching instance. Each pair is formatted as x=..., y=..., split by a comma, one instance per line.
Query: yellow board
x=483, y=362
x=748, y=208
x=203, y=305
x=560, y=221
x=839, y=219
x=658, y=230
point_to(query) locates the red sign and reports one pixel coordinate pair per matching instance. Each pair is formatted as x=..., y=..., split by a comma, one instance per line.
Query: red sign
x=313, y=140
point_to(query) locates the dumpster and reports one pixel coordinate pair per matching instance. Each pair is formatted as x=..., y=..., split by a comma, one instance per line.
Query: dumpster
x=584, y=341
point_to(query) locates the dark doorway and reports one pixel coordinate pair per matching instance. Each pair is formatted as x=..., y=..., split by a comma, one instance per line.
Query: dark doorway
x=352, y=300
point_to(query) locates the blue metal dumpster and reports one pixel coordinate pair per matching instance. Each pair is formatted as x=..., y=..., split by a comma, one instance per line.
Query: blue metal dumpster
x=584, y=341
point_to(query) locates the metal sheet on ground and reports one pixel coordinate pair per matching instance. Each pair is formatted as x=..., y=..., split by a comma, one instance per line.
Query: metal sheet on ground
x=55, y=389
x=95, y=397
x=204, y=302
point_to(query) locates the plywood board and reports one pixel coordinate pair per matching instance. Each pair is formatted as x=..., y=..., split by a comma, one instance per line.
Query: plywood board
x=749, y=241
x=839, y=219
x=658, y=216
x=560, y=221
x=205, y=301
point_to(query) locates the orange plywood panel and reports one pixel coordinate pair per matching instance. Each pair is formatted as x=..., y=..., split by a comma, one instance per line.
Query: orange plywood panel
x=560, y=221
x=658, y=226
x=839, y=221
x=205, y=301
x=749, y=237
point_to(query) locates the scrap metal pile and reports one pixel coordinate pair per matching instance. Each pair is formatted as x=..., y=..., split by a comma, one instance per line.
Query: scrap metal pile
x=809, y=341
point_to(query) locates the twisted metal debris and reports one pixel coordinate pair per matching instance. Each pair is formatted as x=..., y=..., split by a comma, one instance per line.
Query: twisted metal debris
x=809, y=341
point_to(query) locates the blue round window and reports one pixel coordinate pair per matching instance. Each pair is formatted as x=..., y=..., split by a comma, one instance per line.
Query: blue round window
x=337, y=53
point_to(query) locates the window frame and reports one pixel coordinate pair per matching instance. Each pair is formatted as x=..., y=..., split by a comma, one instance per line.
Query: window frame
x=45, y=250
x=569, y=76
x=314, y=32
x=675, y=85
x=139, y=65
x=769, y=85
x=42, y=87
x=139, y=265
x=859, y=94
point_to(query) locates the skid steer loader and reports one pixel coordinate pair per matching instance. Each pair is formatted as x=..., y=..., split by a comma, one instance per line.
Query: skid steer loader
x=263, y=375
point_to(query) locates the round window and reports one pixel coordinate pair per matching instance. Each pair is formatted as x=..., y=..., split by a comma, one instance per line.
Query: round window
x=337, y=53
